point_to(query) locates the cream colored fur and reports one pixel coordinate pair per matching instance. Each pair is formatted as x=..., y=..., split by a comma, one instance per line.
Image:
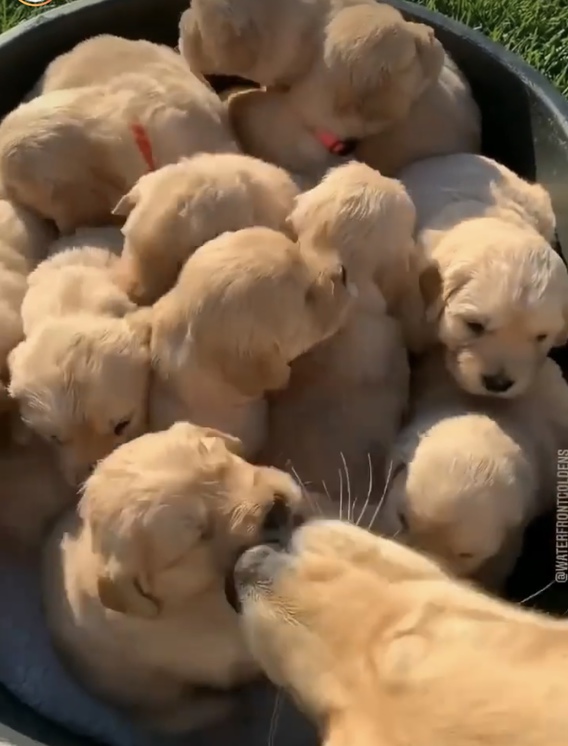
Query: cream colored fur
x=371, y=66
x=32, y=492
x=100, y=59
x=336, y=421
x=245, y=306
x=444, y=119
x=77, y=277
x=24, y=242
x=379, y=647
x=502, y=302
x=469, y=473
x=133, y=582
x=174, y=211
x=81, y=381
x=72, y=154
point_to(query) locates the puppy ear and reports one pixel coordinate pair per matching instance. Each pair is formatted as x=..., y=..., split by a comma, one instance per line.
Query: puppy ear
x=232, y=444
x=253, y=376
x=430, y=51
x=119, y=591
x=126, y=204
x=220, y=38
x=14, y=362
x=430, y=284
x=140, y=322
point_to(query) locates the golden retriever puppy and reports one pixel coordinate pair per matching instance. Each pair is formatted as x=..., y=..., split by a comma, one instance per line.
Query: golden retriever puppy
x=100, y=59
x=336, y=421
x=81, y=382
x=245, y=306
x=72, y=154
x=77, y=277
x=24, y=242
x=173, y=211
x=444, y=119
x=260, y=40
x=134, y=581
x=32, y=491
x=370, y=68
x=379, y=647
x=469, y=473
x=371, y=221
x=501, y=300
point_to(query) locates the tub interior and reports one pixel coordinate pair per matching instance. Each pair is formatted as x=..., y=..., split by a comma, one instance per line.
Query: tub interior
x=520, y=128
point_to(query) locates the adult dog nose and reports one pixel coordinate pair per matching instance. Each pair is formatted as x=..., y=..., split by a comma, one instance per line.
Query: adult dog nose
x=279, y=522
x=498, y=383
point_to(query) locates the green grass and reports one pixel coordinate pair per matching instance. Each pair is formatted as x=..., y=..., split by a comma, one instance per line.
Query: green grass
x=535, y=29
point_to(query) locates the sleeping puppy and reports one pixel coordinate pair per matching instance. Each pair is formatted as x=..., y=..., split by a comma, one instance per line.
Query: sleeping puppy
x=444, y=119
x=264, y=41
x=379, y=647
x=336, y=421
x=100, y=59
x=134, y=581
x=71, y=155
x=24, y=242
x=370, y=68
x=500, y=302
x=32, y=491
x=77, y=277
x=469, y=473
x=245, y=306
x=81, y=382
x=173, y=211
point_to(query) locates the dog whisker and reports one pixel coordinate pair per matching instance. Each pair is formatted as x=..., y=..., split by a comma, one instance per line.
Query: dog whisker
x=538, y=593
x=348, y=481
x=312, y=502
x=275, y=718
x=340, y=494
x=383, y=496
x=369, y=491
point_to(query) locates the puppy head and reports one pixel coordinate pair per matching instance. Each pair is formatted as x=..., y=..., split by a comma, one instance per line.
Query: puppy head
x=173, y=211
x=50, y=161
x=374, y=66
x=459, y=490
x=81, y=382
x=253, y=301
x=314, y=615
x=368, y=218
x=502, y=305
x=169, y=512
x=237, y=38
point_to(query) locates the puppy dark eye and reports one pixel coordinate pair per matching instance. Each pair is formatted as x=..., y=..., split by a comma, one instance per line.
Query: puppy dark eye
x=541, y=337
x=475, y=327
x=465, y=555
x=121, y=426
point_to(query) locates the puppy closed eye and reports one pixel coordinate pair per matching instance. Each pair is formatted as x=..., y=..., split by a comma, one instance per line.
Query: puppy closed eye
x=465, y=555
x=475, y=327
x=541, y=338
x=121, y=427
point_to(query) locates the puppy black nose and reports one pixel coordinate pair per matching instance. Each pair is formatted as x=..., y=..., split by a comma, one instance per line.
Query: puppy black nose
x=277, y=519
x=279, y=523
x=498, y=383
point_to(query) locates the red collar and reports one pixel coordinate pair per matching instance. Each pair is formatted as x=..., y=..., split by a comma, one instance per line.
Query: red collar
x=144, y=145
x=333, y=144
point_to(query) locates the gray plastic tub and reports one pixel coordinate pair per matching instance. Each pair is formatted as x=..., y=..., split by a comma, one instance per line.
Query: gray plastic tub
x=525, y=126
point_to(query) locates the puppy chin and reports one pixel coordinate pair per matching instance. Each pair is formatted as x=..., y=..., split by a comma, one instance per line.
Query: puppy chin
x=470, y=379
